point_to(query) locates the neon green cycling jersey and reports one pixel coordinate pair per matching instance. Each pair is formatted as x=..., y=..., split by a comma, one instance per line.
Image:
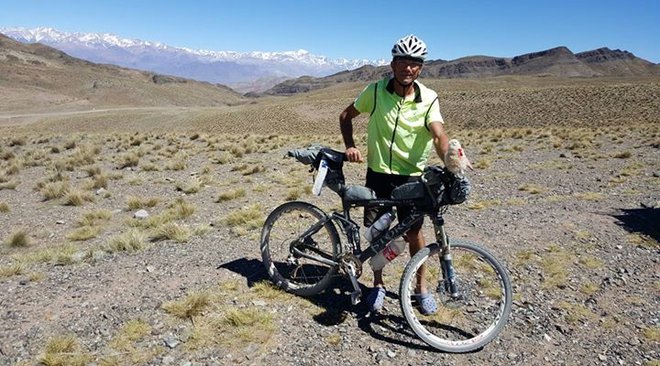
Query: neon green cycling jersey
x=399, y=139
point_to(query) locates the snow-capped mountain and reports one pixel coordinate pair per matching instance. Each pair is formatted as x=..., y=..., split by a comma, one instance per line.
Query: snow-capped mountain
x=224, y=67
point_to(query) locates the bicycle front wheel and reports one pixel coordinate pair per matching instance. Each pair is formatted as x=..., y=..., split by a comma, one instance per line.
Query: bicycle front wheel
x=470, y=317
x=299, y=246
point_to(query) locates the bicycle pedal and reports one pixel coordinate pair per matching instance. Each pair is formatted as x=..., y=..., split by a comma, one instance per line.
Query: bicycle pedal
x=356, y=296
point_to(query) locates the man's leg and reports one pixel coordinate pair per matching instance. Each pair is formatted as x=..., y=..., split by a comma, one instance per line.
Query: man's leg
x=415, y=239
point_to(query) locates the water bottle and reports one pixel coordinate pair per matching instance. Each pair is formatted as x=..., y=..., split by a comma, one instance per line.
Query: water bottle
x=380, y=226
x=385, y=256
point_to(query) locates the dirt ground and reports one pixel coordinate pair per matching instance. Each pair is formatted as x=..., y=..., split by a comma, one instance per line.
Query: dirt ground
x=573, y=214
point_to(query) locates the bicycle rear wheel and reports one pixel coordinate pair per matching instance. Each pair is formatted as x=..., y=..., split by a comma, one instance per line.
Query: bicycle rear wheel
x=469, y=319
x=299, y=247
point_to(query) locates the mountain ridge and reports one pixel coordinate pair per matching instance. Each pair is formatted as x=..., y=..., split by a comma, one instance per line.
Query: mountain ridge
x=224, y=67
x=556, y=62
x=35, y=75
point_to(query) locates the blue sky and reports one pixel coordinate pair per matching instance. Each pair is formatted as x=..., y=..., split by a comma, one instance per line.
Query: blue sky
x=359, y=29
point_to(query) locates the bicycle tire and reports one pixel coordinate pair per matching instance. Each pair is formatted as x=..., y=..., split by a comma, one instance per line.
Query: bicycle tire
x=472, y=320
x=294, y=273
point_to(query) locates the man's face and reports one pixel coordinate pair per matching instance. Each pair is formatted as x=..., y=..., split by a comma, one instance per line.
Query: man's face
x=406, y=71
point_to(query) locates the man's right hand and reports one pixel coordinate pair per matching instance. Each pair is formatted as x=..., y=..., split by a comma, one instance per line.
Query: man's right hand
x=353, y=155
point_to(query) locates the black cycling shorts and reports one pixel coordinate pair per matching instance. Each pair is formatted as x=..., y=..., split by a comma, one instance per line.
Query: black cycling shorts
x=383, y=184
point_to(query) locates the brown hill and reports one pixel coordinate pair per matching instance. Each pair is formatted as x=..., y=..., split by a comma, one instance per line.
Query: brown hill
x=557, y=62
x=38, y=77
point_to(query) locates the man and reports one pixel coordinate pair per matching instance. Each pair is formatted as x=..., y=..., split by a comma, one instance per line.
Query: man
x=404, y=125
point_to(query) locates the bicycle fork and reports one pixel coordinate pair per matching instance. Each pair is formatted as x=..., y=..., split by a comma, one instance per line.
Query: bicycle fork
x=447, y=283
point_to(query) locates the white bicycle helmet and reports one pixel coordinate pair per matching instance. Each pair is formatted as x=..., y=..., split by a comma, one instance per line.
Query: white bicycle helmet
x=410, y=47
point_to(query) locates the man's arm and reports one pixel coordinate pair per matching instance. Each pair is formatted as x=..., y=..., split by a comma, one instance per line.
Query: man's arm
x=440, y=139
x=346, y=126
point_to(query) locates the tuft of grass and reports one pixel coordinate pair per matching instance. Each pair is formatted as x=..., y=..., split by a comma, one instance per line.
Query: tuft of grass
x=201, y=230
x=295, y=193
x=531, y=188
x=230, y=195
x=171, y=231
x=622, y=155
x=53, y=190
x=192, y=305
x=482, y=164
x=266, y=290
x=64, y=351
x=577, y=312
x=643, y=241
x=481, y=205
x=129, y=241
x=9, y=185
x=223, y=158
x=555, y=267
x=94, y=218
x=128, y=160
x=181, y=209
x=131, y=331
x=83, y=233
x=251, y=217
x=59, y=254
x=18, y=239
x=246, y=169
x=136, y=203
x=178, y=164
x=589, y=196
x=589, y=288
x=334, y=339
x=77, y=197
x=247, y=317
x=591, y=262
x=193, y=185
x=150, y=167
x=4, y=207
x=15, y=269
x=652, y=333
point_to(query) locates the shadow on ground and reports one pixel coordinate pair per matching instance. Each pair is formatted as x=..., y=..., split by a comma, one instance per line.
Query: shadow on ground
x=389, y=326
x=641, y=220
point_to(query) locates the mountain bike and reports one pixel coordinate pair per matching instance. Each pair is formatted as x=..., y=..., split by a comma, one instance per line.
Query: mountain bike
x=303, y=253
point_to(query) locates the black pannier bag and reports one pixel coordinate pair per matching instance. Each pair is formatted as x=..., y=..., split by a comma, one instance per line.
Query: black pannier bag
x=435, y=187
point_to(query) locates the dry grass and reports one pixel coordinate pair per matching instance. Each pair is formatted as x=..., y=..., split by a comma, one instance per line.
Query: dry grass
x=483, y=204
x=131, y=240
x=77, y=197
x=555, y=263
x=64, y=350
x=13, y=270
x=231, y=195
x=170, y=153
x=18, y=239
x=83, y=233
x=531, y=188
x=53, y=190
x=250, y=217
x=136, y=203
x=192, y=305
x=171, y=231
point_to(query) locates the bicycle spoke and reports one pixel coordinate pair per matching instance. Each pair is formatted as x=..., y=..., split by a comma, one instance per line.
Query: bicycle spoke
x=298, y=247
x=474, y=315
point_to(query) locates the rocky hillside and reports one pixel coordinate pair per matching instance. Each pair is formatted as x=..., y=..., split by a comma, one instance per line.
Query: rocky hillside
x=40, y=77
x=558, y=62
